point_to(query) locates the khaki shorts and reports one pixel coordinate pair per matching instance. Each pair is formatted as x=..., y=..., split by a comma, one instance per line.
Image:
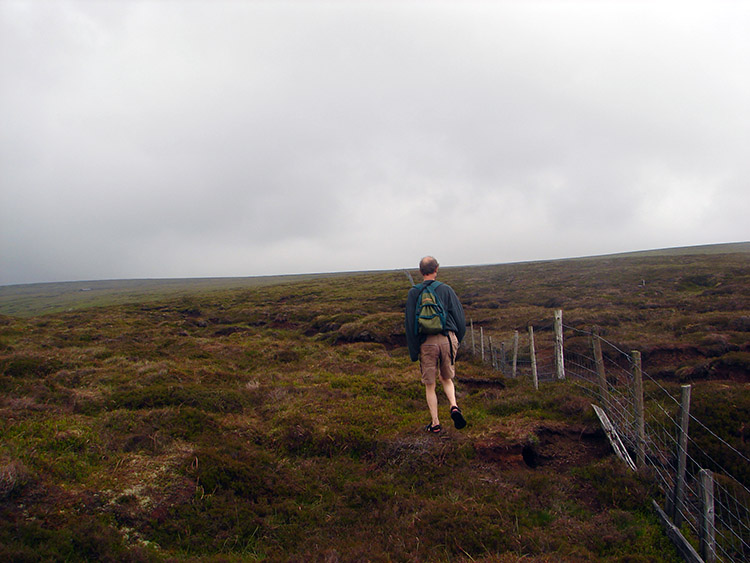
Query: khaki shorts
x=437, y=356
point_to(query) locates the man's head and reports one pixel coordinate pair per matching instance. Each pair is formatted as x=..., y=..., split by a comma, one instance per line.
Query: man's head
x=428, y=266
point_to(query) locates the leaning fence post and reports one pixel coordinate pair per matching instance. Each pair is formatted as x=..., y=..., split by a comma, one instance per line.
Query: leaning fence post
x=492, y=353
x=640, y=423
x=532, y=351
x=707, y=529
x=515, y=352
x=559, y=358
x=679, y=486
x=601, y=375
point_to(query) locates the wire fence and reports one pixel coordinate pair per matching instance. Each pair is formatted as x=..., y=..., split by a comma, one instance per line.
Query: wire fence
x=715, y=523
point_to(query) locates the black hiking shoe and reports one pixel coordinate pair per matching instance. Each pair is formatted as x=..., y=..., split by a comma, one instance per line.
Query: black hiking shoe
x=458, y=419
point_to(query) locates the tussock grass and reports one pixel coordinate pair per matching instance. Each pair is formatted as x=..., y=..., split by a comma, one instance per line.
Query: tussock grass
x=283, y=421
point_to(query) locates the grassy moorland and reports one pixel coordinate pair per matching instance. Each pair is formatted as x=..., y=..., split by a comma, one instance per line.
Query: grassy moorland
x=282, y=420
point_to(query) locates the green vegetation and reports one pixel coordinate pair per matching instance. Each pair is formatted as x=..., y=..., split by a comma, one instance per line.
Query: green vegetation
x=281, y=420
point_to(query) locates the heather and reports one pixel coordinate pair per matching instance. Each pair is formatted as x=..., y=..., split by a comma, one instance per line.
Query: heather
x=281, y=419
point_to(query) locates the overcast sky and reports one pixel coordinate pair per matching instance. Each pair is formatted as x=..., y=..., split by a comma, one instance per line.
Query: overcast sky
x=150, y=139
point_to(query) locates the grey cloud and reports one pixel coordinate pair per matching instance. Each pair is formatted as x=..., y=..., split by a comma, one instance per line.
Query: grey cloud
x=226, y=138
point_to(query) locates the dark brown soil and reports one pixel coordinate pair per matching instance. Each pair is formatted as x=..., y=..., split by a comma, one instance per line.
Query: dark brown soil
x=557, y=446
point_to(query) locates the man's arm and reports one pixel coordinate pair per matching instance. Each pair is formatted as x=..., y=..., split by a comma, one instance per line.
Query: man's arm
x=457, y=312
x=412, y=340
x=460, y=320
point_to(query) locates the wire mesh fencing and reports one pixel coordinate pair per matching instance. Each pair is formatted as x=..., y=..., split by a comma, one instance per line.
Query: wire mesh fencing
x=704, y=494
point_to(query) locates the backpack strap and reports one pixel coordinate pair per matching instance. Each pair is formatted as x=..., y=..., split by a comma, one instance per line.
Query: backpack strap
x=430, y=287
x=432, y=284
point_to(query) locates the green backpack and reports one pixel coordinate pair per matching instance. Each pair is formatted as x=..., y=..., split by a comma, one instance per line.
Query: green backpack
x=430, y=312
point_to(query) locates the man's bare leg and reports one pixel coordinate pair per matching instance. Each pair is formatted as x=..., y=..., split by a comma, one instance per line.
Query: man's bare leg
x=450, y=391
x=432, y=402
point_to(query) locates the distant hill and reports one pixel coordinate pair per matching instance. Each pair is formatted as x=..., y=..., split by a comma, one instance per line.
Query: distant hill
x=725, y=248
x=41, y=298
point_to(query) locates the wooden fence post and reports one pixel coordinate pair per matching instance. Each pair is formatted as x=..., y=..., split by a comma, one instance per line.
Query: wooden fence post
x=640, y=423
x=559, y=357
x=679, y=486
x=481, y=341
x=492, y=353
x=515, y=352
x=600, y=373
x=532, y=351
x=707, y=529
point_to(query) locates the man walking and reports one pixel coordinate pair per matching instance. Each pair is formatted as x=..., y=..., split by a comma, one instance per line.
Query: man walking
x=436, y=352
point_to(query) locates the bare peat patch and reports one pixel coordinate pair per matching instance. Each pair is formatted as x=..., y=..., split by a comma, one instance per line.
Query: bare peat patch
x=551, y=445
